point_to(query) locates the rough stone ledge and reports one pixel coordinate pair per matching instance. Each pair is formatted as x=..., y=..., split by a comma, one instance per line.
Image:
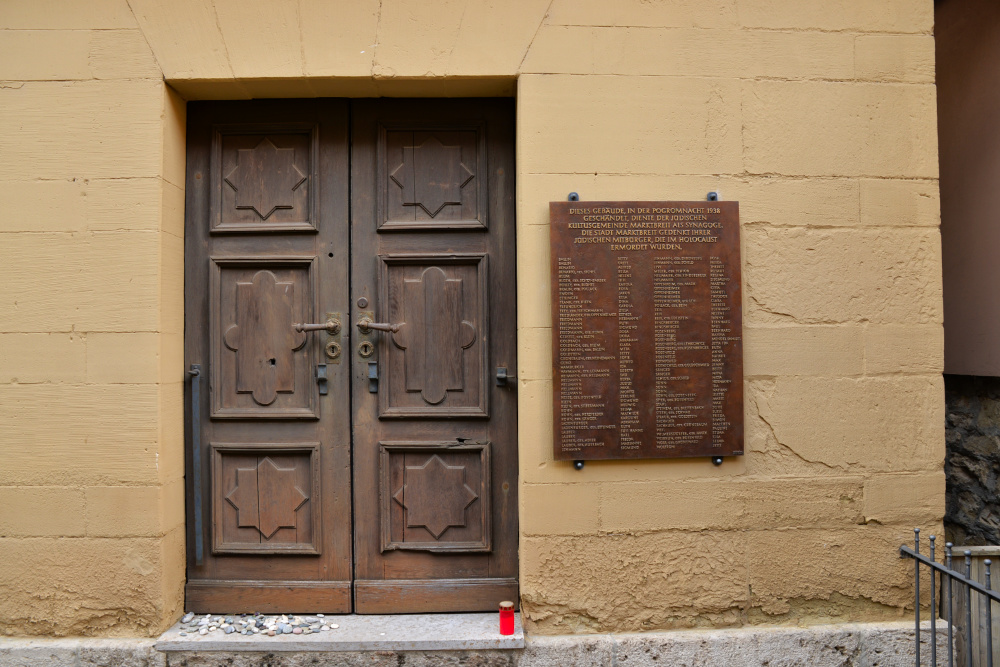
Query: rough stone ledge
x=845, y=645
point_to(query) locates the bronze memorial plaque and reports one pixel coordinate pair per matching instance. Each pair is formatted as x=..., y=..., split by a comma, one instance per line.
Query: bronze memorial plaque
x=647, y=327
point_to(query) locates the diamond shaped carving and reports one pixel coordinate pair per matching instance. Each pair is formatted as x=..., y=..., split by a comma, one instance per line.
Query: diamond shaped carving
x=264, y=178
x=435, y=496
x=431, y=175
x=266, y=497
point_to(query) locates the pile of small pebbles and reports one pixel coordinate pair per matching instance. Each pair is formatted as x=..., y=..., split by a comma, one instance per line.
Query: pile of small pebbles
x=261, y=625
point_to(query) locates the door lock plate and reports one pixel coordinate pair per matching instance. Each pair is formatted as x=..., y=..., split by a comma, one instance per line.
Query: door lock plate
x=333, y=338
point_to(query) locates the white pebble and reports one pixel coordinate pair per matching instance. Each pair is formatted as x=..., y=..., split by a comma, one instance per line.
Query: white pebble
x=203, y=631
x=335, y=626
x=324, y=627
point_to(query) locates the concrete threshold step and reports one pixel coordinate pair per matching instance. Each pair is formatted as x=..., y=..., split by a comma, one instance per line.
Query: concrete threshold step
x=400, y=632
x=881, y=644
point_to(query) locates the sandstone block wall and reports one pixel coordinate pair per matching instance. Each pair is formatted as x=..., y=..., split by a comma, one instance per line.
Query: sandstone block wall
x=91, y=325
x=818, y=117
x=797, y=111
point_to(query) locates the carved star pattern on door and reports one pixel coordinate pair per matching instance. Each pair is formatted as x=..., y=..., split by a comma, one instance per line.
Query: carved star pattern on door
x=263, y=338
x=265, y=177
x=435, y=496
x=266, y=497
x=442, y=175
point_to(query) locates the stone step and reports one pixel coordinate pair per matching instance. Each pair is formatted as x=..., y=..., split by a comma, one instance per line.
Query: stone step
x=399, y=632
x=843, y=645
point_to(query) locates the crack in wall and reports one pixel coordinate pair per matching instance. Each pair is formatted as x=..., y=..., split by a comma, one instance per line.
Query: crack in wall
x=520, y=65
x=222, y=36
x=378, y=28
x=784, y=446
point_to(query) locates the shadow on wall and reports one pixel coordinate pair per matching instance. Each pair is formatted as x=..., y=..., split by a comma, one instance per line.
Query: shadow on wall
x=972, y=461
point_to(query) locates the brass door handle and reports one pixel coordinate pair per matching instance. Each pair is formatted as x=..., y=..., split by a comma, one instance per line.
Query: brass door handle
x=365, y=325
x=332, y=327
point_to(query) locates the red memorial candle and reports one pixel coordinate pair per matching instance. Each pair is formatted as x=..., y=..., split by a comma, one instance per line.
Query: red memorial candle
x=506, y=618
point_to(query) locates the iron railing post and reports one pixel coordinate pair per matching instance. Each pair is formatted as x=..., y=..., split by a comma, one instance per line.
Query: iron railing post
x=989, y=618
x=916, y=585
x=933, y=610
x=951, y=653
x=968, y=609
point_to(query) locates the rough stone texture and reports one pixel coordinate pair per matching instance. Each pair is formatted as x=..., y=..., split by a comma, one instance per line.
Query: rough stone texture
x=792, y=275
x=972, y=514
x=79, y=653
x=658, y=580
x=87, y=586
x=846, y=645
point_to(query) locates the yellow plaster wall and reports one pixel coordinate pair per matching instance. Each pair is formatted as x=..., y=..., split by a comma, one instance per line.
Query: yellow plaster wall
x=91, y=324
x=818, y=117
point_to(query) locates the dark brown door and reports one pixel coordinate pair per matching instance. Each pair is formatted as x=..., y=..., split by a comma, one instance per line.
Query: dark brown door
x=297, y=231
x=269, y=524
x=435, y=438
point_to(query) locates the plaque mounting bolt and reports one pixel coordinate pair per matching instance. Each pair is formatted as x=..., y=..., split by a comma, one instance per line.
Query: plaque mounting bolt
x=578, y=465
x=713, y=196
x=573, y=197
x=717, y=460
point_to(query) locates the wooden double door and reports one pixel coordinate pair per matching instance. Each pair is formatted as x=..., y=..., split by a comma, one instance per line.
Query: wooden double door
x=350, y=316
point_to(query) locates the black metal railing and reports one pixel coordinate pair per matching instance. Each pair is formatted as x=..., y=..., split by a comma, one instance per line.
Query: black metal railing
x=960, y=593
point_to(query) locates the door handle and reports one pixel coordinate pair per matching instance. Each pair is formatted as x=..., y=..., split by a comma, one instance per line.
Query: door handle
x=365, y=325
x=331, y=326
x=195, y=373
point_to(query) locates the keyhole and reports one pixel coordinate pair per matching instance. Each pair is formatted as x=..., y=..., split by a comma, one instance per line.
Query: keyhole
x=271, y=361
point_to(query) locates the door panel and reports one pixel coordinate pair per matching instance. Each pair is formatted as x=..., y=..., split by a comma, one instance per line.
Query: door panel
x=266, y=249
x=265, y=177
x=266, y=500
x=435, y=366
x=430, y=174
x=434, y=437
x=428, y=489
x=261, y=368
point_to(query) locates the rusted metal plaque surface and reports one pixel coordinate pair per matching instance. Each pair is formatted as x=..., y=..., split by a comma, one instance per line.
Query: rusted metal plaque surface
x=647, y=329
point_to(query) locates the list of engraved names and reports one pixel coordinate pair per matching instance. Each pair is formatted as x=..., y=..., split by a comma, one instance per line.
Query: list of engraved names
x=646, y=329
